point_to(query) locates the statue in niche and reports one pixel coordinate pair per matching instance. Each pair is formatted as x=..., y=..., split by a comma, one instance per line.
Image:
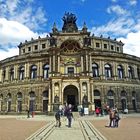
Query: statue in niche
x=69, y=23
x=56, y=99
x=53, y=41
x=87, y=41
x=85, y=101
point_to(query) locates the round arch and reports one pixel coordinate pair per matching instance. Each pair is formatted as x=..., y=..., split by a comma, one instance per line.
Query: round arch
x=70, y=96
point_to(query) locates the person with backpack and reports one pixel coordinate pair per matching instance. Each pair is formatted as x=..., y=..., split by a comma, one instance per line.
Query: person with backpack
x=58, y=118
x=117, y=119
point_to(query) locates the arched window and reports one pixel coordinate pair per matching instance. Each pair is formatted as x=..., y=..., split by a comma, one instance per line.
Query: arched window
x=12, y=74
x=19, y=102
x=46, y=71
x=108, y=71
x=130, y=72
x=96, y=93
x=32, y=101
x=9, y=100
x=110, y=93
x=97, y=98
x=95, y=70
x=120, y=72
x=21, y=73
x=45, y=100
x=33, y=72
x=123, y=100
x=110, y=98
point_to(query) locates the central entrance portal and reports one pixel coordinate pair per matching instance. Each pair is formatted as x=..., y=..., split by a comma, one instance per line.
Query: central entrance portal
x=71, y=96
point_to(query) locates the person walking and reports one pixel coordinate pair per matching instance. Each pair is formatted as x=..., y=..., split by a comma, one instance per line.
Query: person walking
x=117, y=119
x=58, y=118
x=28, y=113
x=112, y=118
x=69, y=115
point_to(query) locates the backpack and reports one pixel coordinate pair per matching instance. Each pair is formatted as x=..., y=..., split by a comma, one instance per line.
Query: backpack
x=57, y=115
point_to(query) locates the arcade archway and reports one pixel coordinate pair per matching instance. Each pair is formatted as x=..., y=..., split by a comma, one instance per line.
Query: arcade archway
x=71, y=96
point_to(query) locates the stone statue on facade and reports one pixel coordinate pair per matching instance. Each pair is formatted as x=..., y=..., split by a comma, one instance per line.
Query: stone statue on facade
x=53, y=41
x=87, y=41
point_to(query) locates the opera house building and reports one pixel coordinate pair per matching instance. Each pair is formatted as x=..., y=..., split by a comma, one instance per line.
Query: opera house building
x=69, y=66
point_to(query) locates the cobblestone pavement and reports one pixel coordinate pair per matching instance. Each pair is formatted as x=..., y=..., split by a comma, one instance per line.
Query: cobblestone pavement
x=21, y=128
x=129, y=128
x=13, y=129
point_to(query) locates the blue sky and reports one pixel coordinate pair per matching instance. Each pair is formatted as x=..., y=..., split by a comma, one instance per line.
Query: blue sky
x=24, y=19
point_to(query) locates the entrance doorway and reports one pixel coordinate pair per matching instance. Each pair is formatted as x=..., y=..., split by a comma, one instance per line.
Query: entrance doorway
x=97, y=103
x=71, y=96
x=71, y=99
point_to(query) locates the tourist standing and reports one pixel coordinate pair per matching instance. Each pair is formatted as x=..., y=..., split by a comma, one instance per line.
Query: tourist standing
x=69, y=115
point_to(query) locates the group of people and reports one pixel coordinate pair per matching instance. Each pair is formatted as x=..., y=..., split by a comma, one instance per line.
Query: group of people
x=67, y=111
x=113, y=117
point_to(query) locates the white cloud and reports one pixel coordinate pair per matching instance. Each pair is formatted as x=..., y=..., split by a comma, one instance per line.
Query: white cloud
x=133, y=2
x=11, y=34
x=128, y=31
x=121, y=26
x=132, y=43
x=117, y=9
x=114, y=0
x=31, y=16
x=11, y=52
x=83, y=0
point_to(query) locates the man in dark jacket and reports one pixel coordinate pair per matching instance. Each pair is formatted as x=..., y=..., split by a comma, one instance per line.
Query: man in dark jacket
x=69, y=116
x=58, y=118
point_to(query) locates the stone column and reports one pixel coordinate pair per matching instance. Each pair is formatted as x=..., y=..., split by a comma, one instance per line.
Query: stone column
x=82, y=64
x=114, y=70
x=102, y=70
x=50, y=98
x=7, y=74
x=27, y=71
x=126, y=70
x=90, y=65
x=53, y=62
x=0, y=105
x=38, y=69
x=1, y=75
x=81, y=93
x=60, y=92
x=41, y=69
x=86, y=62
x=135, y=71
x=58, y=66
x=92, y=95
x=88, y=91
x=16, y=72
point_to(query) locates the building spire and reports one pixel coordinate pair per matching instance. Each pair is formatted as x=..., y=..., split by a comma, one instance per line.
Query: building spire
x=54, y=29
x=84, y=29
